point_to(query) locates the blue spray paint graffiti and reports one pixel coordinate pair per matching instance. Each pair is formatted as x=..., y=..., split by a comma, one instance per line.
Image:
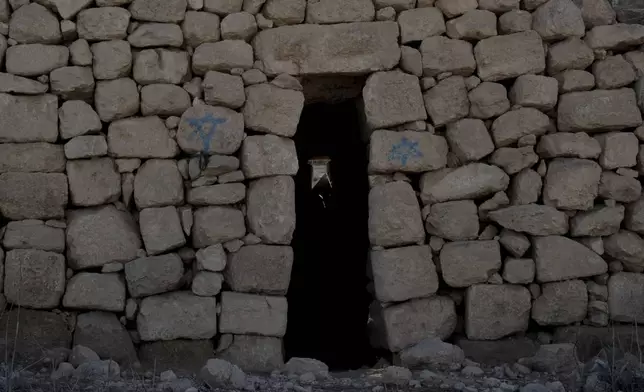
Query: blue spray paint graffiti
x=404, y=150
x=204, y=128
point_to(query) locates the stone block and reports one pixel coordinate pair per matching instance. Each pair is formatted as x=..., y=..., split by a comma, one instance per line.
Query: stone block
x=488, y=100
x=78, y=118
x=160, y=66
x=525, y=187
x=512, y=126
x=103, y=24
x=560, y=258
x=448, y=101
x=28, y=119
x=95, y=291
x=221, y=194
x=72, y=82
x=268, y=155
x=35, y=59
x=619, y=188
x=615, y=37
x=86, y=146
x=158, y=183
x=613, y=72
x=260, y=269
x=420, y=23
x=597, y=222
x=515, y=243
x=571, y=183
x=572, y=53
x=394, y=215
x=261, y=354
x=212, y=258
x=271, y=209
x=392, y=98
x=211, y=130
x=597, y=111
x=240, y=25
x=270, y=109
x=161, y=229
x=634, y=217
x=34, y=24
x=31, y=158
x=164, y=100
x=563, y=144
x=535, y=91
x=469, y=139
x=464, y=263
x=93, y=182
x=619, y=149
x=102, y=235
x=140, y=137
x=625, y=291
x=224, y=89
x=116, y=99
x=252, y=314
x=558, y=19
x=355, y=48
x=34, y=278
x=18, y=85
x=33, y=195
x=561, y=303
x=514, y=160
x=518, y=271
x=404, y=273
x=153, y=275
x=216, y=225
x=472, y=181
x=442, y=54
x=533, y=219
x=495, y=311
x=515, y=21
x=200, y=27
x=626, y=247
x=207, y=284
x=453, y=220
x=407, y=151
x=158, y=10
x=156, y=34
x=509, y=56
x=104, y=334
x=575, y=80
x=177, y=315
x=33, y=234
x=222, y=56
x=473, y=25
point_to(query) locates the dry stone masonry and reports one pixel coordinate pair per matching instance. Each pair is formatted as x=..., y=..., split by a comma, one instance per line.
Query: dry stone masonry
x=146, y=168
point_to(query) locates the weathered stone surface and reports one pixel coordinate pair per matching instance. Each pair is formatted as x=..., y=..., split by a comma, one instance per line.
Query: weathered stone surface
x=619, y=149
x=560, y=258
x=455, y=8
x=571, y=183
x=420, y=23
x=103, y=24
x=469, y=139
x=268, y=155
x=160, y=66
x=518, y=271
x=596, y=12
x=635, y=216
x=261, y=354
x=78, y=118
x=224, y=89
x=628, y=248
x=532, y=219
x=222, y=56
x=35, y=59
x=431, y=352
x=240, y=25
x=613, y=72
x=525, y=187
x=515, y=243
x=116, y=99
x=177, y=315
x=164, y=100
x=260, y=269
x=561, y=303
x=33, y=234
x=184, y=357
x=619, y=188
x=33, y=195
x=394, y=215
x=34, y=278
x=200, y=27
x=355, y=48
x=509, y=56
x=31, y=158
x=472, y=181
x=270, y=109
x=145, y=137
x=93, y=182
x=407, y=151
x=511, y=126
x=558, y=19
x=98, y=236
x=161, y=229
x=535, y=91
x=34, y=24
x=158, y=183
x=88, y=146
x=111, y=59
x=156, y=34
x=448, y=101
x=574, y=145
x=466, y=263
x=410, y=322
x=212, y=258
x=215, y=225
x=391, y=98
x=441, y=54
x=473, y=25
x=571, y=53
x=211, y=130
x=453, y=220
x=220, y=194
x=28, y=119
x=271, y=209
x=597, y=222
x=252, y=314
x=515, y=21
x=575, y=80
x=404, y=273
x=207, y=284
x=285, y=12
x=513, y=160
x=488, y=100
x=495, y=311
x=153, y=275
x=95, y=291
x=158, y=10
x=17, y=84
x=617, y=36
x=103, y=333
x=625, y=291
x=598, y=110
x=499, y=6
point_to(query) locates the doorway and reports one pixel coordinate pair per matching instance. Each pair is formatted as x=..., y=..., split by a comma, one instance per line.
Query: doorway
x=328, y=297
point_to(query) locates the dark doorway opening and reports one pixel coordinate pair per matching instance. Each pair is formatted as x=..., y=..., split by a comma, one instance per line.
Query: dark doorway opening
x=328, y=297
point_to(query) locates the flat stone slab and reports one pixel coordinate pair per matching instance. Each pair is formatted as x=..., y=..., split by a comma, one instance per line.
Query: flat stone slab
x=598, y=111
x=351, y=48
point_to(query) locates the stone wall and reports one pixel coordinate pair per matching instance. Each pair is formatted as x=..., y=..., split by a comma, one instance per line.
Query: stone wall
x=146, y=169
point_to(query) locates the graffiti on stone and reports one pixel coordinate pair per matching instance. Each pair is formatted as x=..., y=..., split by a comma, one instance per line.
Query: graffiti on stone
x=404, y=150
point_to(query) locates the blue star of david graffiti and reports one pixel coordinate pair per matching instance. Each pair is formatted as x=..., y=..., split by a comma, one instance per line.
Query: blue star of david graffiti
x=204, y=128
x=404, y=150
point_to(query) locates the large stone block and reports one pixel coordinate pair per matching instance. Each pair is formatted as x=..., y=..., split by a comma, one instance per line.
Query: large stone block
x=34, y=23
x=19, y=85
x=93, y=182
x=442, y=54
x=560, y=258
x=600, y=221
x=222, y=56
x=353, y=48
x=34, y=278
x=72, y=82
x=508, y=128
x=448, y=101
x=260, y=269
x=164, y=100
x=617, y=36
x=158, y=10
x=177, y=315
x=394, y=215
x=95, y=291
x=532, y=219
x=561, y=303
x=268, y=155
x=148, y=35
x=271, y=209
x=420, y=23
x=406, y=151
x=28, y=119
x=597, y=111
x=469, y=139
x=103, y=23
x=260, y=354
x=392, y=98
x=35, y=59
x=472, y=181
x=97, y=236
x=158, y=183
x=625, y=294
x=145, y=137
x=569, y=54
x=270, y=109
x=564, y=144
x=464, y=263
x=160, y=66
x=33, y=195
x=216, y=225
x=252, y=314
x=400, y=274
x=571, y=183
x=495, y=311
x=622, y=189
x=473, y=25
x=453, y=220
x=558, y=19
x=626, y=247
x=32, y=158
x=210, y=130
x=509, y=56
x=220, y=194
x=153, y=275
x=116, y=99
x=33, y=234
x=410, y=322
x=104, y=333
x=161, y=229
